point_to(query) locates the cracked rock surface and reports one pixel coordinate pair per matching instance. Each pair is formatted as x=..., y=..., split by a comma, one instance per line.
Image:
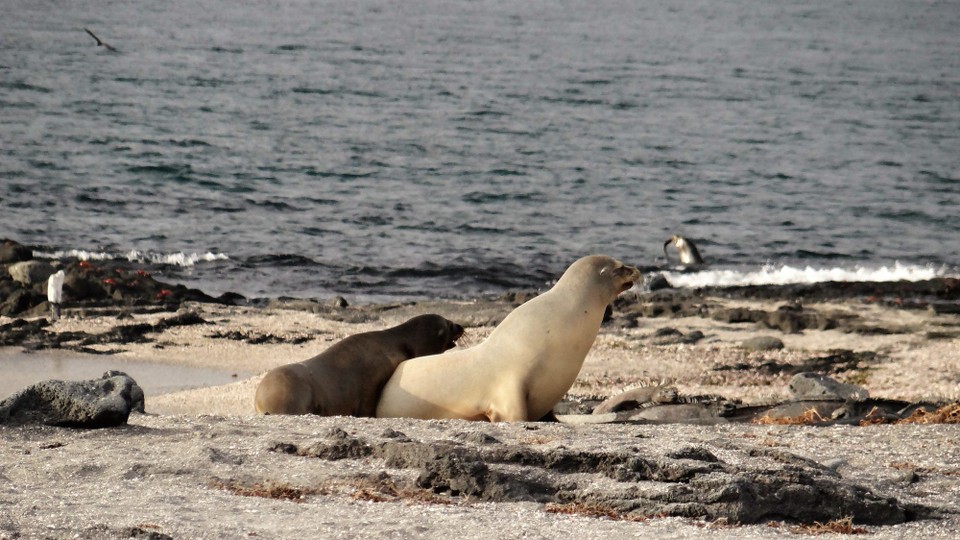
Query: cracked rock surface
x=97, y=403
x=273, y=477
x=644, y=482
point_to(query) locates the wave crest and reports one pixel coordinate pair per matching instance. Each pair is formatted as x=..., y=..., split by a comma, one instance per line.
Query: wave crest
x=135, y=255
x=787, y=275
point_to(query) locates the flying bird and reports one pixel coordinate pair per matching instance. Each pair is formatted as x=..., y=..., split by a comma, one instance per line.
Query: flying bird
x=101, y=43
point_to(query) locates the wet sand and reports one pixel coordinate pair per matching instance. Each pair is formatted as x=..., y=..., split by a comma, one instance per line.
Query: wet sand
x=155, y=378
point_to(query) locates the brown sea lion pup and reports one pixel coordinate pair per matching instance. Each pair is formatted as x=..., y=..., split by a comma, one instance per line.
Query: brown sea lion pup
x=527, y=363
x=347, y=378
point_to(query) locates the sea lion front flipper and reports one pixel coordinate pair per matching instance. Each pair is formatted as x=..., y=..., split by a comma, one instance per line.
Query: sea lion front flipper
x=509, y=407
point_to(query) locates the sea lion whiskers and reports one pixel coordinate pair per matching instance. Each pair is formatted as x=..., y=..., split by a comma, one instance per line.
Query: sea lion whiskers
x=455, y=333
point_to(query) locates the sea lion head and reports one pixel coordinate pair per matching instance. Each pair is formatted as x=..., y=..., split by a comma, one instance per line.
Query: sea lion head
x=689, y=255
x=429, y=334
x=611, y=276
x=672, y=240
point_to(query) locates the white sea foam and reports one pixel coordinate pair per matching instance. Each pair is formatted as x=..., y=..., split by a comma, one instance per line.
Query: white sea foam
x=135, y=255
x=784, y=275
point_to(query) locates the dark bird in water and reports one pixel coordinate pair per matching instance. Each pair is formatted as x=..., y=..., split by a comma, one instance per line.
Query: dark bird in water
x=101, y=43
x=689, y=256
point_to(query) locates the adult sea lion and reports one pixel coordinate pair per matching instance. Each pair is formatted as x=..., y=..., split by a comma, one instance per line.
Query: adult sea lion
x=527, y=363
x=347, y=378
x=689, y=256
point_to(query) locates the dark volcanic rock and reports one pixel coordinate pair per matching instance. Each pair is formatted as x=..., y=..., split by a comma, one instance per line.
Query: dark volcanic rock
x=790, y=318
x=135, y=333
x=449, y=467
x=12, y=251
x=835, y=362
x=943, y=308
x=30, y=273
x=255, y=338
x=340, y=446
x=739, y=315
x=939, y=294
x=672, y=336
x=819, y=386
x=762, y=343
x=80, y=284
x=18, y=301
x=476, y=437
x=139, y=533
x=34, y=335
x=97, y=403
x=828, y=412
x=760, y=484
x=791, y=493
x=107, y=283
x=698, y=453
x=657, y=282
x=86, y=282
x=19, y=330
x=895, y=292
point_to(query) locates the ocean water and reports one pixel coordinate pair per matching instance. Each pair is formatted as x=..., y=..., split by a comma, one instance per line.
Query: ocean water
x=385, y=149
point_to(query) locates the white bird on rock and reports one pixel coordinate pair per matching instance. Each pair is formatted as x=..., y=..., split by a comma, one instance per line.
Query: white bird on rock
x=55, y=292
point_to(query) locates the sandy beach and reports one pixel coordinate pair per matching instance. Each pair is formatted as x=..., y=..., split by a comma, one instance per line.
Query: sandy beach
x=201, y=464
x=208, y=189
x=911, y=366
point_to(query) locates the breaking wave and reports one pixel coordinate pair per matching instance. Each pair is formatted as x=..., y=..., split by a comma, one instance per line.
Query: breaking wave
x=787, y=275
x=135, y=255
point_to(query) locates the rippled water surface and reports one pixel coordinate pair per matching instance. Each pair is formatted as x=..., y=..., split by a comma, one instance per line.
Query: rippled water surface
x=446, y=148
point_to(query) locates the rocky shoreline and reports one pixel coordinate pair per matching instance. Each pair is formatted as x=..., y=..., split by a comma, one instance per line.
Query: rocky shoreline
x=751, y=412
x=87, y=285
